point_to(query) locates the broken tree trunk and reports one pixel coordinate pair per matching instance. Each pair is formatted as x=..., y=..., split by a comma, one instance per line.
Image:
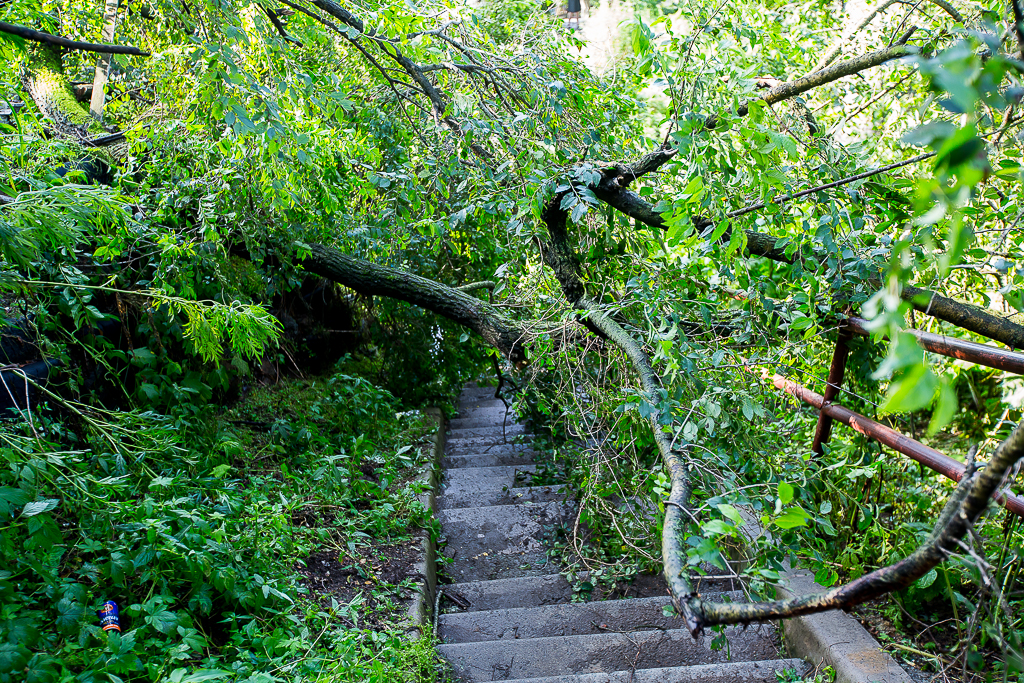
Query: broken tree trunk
x=50, y=89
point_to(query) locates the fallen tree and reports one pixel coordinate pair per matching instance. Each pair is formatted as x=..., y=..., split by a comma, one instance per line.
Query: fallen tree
x=491, y=148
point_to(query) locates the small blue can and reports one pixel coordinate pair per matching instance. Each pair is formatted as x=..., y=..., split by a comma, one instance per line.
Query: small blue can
x=109, y=619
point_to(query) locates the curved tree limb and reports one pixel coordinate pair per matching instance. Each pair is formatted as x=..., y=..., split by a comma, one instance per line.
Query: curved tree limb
x=963, y=509
x=560, y=257
x=49, y=39
x=371, y=279
x=275, y=19
x=634, y=206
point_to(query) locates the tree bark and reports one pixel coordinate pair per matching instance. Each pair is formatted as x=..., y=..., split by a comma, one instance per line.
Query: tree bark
x=99, y=83
x=371, y=279
x=560, y=257
x=963, y=315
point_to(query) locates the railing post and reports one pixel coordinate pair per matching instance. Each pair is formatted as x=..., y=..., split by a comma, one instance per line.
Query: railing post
x=835, y=382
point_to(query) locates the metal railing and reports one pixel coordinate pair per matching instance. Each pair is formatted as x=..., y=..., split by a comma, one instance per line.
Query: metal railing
x=829, y=410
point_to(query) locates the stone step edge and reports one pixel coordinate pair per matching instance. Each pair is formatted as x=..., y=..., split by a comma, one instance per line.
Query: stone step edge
x=420, y=606
x=728, y=672
x=561, y=614
x=596, y=645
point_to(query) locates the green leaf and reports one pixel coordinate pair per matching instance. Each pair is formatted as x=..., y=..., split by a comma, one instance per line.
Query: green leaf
x=826, y=577
x=38, y=507
x=731, y=512
x=719, y=527
x=737, y=242
x=69, y=614
x=801, y=322
x=792, y=517
x=164, y=621
x=928, y=133
x=927, y=580
x=912, y=391
x=785, y=493
x=903, y=353
x=945, y=408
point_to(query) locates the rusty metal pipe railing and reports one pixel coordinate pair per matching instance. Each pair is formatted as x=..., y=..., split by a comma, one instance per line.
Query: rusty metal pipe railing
x=973, y=352
x=833, y=386
x=915, y=450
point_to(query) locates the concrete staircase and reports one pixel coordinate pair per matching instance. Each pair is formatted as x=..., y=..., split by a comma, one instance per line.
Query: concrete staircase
x=516, y=618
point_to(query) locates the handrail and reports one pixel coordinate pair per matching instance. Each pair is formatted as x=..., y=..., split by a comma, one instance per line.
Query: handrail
x=982, y=354
x=915, y=450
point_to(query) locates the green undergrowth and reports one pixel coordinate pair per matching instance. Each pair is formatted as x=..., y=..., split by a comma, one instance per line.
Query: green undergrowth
x=201, y=526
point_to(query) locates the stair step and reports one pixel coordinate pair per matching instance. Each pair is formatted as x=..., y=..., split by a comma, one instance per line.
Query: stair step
x=471, y=407
x=485, y=417
x=487, y=459
x=728, y=672
x=526, y=591
x=477, y=390
x=601, y=652
x=476, y=479
x=486, y=444
x=463, y=498
x=490, y=431
x=500, y=540
x=571, y=619
x=500, y=449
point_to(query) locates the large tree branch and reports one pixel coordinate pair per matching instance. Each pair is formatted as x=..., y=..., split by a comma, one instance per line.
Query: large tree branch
x=49, y=39
x=963, y=315
x=836, y=49
x=371, y=279
x=963, y=509
x=820, y=78
x=960, y=314
x=634, y=206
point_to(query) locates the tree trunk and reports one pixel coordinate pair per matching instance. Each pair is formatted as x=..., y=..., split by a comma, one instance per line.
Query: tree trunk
x=371, y=279
x=99, y=83
x=50, y=89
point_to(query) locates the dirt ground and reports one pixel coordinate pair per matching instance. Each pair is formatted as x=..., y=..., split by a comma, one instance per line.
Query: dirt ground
x=368, y=577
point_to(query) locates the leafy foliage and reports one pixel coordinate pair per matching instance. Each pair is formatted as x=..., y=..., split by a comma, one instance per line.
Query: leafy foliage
x=194, y=527
x=243, y=144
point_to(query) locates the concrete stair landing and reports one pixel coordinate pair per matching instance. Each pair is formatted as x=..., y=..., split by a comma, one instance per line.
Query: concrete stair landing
x=517, y=621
